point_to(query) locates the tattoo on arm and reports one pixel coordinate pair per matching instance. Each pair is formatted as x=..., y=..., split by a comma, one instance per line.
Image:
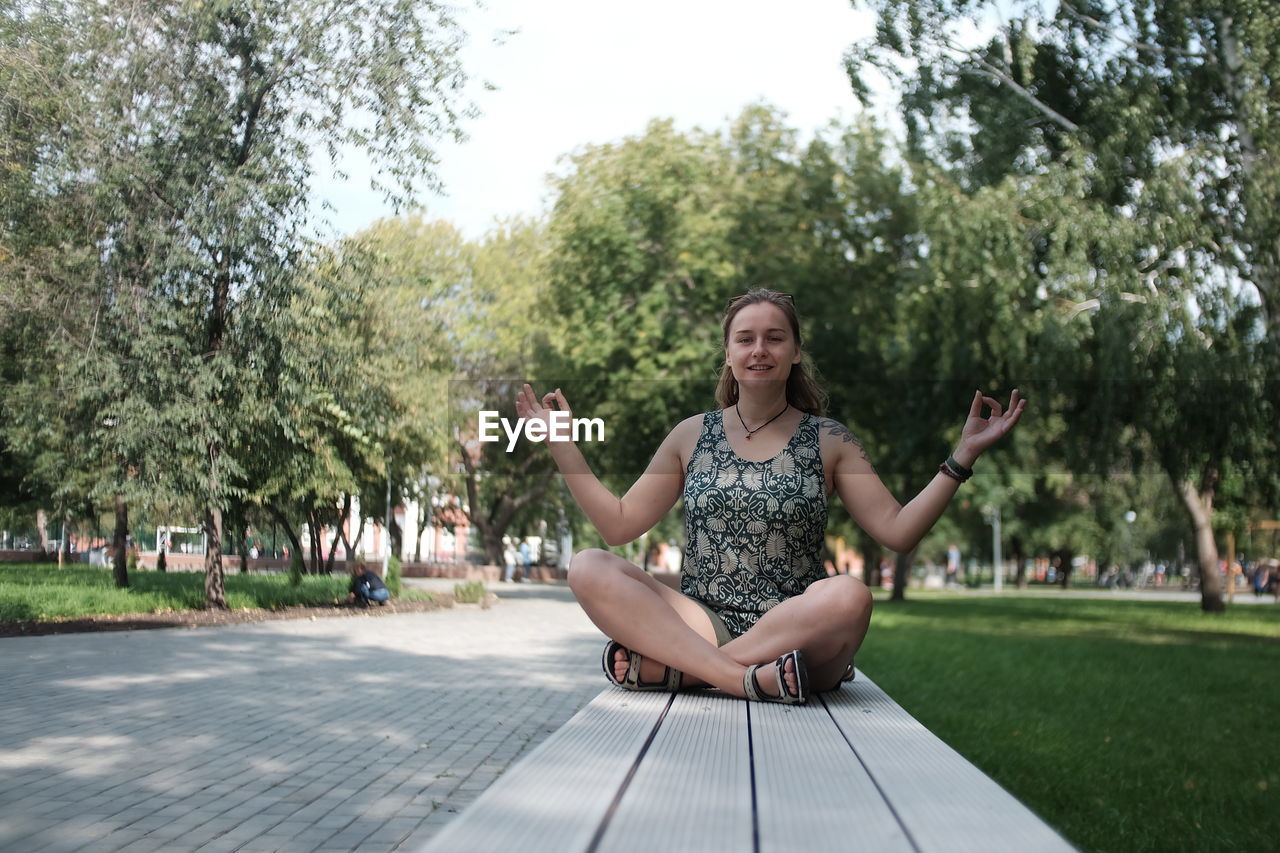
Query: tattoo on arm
x=840, y=431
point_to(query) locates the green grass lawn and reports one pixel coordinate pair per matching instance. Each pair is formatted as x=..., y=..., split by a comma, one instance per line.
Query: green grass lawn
x=39, y=592
x=1128, y=725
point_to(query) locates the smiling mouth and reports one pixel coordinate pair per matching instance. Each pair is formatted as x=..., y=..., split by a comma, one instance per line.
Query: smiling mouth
x=759, y=367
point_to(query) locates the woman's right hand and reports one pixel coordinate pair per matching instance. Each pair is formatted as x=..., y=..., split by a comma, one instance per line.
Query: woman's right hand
x=529, y=407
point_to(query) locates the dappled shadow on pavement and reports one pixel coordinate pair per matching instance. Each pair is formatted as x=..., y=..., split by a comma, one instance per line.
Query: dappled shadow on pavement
x=366, y=732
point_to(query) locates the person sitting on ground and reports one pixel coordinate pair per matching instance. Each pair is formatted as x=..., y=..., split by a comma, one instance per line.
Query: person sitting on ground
x=755, y=474
x=366, y=586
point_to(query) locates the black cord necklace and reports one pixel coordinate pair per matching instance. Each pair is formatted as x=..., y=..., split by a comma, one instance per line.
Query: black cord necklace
x=751, y=432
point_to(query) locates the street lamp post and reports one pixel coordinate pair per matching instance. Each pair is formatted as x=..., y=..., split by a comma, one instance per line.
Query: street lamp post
x=386, y=525
x=1129, y=518
x=433, y=483
x=991, y=514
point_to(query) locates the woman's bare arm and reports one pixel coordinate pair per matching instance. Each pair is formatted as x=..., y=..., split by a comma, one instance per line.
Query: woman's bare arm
x=897, y=527
x=619, y=520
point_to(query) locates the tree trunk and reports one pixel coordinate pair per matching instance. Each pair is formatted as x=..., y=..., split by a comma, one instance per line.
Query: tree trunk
x=333, y=551
x=396, y=534
x=493, y=526
x=288, y=530
x=871, y=566
x=1199, y=504
x=317, y=543
x=337, y=534
x=350, y=544
x=42, y=528
x=902, y=575
x=424, y=505
x=120, y=544
x=1066, y=564
x=493, y=550
x=215, y=595
x=244, y=549
x=1019, y=560
x=64, y=550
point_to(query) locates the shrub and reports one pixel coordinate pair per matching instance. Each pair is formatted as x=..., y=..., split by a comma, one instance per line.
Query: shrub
x=472, y=592
x=161, y=565
x=131, y=563
x=392, y=580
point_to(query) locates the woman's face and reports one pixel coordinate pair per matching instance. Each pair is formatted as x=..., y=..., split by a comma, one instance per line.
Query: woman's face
x=761, y=347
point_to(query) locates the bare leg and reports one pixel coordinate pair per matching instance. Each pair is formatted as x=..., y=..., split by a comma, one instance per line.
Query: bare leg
x=654, y=620
x=827, y=623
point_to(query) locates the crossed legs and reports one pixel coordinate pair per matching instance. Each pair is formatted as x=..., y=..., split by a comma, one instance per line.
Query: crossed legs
x=827, y=623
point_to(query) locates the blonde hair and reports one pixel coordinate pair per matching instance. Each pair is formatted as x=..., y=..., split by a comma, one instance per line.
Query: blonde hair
x=803, y=390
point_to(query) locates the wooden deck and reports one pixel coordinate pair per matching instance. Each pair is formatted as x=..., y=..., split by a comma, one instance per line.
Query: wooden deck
x=702, y=771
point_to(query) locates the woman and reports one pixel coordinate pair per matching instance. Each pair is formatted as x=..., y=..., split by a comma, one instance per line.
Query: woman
x=755, y=476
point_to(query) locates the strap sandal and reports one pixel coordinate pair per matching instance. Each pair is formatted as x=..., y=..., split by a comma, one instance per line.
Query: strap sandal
x=671, y=678
x=801, y=695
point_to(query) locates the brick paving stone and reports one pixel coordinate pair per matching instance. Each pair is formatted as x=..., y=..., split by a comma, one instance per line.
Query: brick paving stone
x=120, y=839
x=298, y=736
x=16, y=834
x=182, y=845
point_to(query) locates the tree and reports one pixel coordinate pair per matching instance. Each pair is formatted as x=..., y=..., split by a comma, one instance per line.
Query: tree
x=652, y=235
x=318, y=435
x=418, y=276
x=191, y=136
x=504, y=334
x=62, y=439
x=641, y=263
x=1156, y=119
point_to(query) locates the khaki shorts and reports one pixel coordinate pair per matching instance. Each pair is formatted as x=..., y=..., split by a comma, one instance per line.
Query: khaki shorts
x=723, y=634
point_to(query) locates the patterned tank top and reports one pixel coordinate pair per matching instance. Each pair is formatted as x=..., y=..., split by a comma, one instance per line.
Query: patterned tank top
x=754, y=530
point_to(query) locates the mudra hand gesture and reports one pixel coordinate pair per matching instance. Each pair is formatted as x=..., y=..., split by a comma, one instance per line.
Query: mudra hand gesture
x=980, y=433
x=529, y=407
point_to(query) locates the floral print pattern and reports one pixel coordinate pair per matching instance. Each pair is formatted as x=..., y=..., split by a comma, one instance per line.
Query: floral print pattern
x=754, y=529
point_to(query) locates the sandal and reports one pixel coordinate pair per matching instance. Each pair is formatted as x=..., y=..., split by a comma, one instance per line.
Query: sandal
x=754, y=692
x=671, y=678
x=848, y=673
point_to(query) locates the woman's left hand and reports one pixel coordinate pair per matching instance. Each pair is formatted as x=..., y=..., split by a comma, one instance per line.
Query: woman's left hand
x=979, y=433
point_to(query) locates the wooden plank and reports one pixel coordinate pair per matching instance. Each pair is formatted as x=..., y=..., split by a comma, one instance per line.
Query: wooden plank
x=945, y=803
x=692, y=790
x=555, y=798
x=812, y=792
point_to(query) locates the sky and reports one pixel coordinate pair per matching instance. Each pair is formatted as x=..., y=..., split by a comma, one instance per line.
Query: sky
x=582, y=72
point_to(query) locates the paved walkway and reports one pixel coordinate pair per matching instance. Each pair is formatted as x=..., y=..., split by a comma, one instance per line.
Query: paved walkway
x=361, y=734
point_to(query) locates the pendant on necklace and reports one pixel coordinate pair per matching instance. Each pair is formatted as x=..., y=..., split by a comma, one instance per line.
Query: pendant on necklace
x=751, y=432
